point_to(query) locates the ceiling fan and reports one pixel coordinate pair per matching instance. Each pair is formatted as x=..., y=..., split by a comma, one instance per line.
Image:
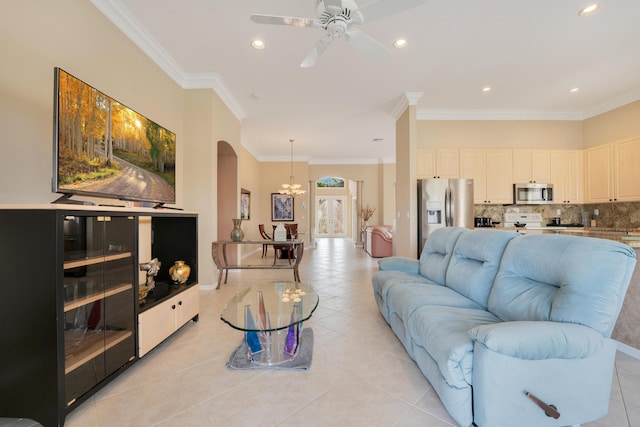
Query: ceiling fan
x=337, y=17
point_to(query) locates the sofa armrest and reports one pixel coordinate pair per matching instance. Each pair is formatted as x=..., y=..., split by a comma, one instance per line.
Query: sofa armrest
x=537, y=340
x=399, y=263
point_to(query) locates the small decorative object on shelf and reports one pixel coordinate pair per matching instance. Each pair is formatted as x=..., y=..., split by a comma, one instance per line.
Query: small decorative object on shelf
x=151, y=267
x=237, y=234
x=179, y=272
x=143, y=291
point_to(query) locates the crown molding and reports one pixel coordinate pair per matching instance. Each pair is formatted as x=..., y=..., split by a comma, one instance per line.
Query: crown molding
x=612, y=104
x=496, y=115
x=134, y=30
x=407, y=99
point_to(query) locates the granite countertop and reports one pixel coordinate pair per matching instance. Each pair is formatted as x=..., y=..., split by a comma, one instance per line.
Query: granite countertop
x=628, y=236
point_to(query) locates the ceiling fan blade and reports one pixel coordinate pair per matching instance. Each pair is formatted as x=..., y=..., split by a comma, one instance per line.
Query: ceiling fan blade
x=318, y=49
x=333, y=6
x=366, y=44
x=381, y=8
x=285, y=20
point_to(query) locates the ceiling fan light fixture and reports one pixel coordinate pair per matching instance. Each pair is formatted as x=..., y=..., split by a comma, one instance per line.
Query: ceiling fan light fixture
x=258, y=44
x=589, y=10
x=400, y=43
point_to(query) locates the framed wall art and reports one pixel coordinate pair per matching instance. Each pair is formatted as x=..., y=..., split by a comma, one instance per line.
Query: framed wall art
x=281, y=207
x=245, y=204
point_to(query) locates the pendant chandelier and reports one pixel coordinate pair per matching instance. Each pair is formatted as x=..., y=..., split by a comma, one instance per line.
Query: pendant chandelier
x=292, y=190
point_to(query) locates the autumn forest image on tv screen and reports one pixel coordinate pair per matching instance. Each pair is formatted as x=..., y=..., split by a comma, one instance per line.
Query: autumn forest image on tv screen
x=106, y=149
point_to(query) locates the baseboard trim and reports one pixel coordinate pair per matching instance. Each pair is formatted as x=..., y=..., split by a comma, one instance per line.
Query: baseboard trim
x=628, y=350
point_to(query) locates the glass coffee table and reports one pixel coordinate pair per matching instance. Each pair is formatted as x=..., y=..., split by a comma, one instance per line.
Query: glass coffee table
x=271, y=317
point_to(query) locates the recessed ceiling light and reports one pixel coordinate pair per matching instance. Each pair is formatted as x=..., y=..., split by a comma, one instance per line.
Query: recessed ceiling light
x=574, y=90
x=257, y=44
x=400, y=43
x=589, y=10
x=377, y=139
x=486, y=89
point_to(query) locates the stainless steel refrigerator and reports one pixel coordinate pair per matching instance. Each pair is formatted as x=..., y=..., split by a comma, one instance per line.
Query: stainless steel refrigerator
x=443, y=203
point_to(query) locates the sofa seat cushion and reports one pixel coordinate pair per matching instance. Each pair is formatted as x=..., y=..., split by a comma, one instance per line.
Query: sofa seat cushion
x=443, y=332
x=383, y=280
x=405, y=298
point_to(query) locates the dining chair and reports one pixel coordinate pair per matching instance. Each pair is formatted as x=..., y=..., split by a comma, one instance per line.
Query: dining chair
x=265, y=236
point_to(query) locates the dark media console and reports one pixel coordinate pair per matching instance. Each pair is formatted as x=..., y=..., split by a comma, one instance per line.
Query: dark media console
x=74, y=320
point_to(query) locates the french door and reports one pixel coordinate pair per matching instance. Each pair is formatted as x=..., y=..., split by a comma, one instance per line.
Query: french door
x=331, y=216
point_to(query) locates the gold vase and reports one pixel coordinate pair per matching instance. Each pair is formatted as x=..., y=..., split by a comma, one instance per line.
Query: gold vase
x=179, y=272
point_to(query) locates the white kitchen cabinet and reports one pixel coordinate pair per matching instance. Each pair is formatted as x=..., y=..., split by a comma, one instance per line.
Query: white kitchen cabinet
x=499, y=176
x=159, y=322
x=626, y=170
x=599, y=165
x=438, y=163
x=531, y=166
x=567, y=175
x=612, y=172
x=491, y=171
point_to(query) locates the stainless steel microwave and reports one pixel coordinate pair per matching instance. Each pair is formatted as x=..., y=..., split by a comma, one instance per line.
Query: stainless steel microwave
x=532, y=194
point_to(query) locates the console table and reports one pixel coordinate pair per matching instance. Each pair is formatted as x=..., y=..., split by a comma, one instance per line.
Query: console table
x=223, y=265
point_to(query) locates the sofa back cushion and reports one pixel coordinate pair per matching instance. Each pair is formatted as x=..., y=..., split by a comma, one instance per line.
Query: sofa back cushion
x=475, y=261
x=563, y=278
x=437, y=252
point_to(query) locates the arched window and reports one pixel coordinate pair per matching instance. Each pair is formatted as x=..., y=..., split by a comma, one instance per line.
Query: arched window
x=330, y=182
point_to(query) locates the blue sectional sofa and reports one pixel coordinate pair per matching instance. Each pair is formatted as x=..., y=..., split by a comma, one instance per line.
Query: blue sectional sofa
x=490, y=316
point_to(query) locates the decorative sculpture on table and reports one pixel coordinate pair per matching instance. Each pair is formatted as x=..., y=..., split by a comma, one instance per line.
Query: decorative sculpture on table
x=151, y=267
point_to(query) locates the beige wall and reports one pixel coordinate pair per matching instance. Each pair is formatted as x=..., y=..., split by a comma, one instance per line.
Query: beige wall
x=38, y=35
x=551, y=134
x=388, y=193
x=615, y=125
x=405, y=241
x=250, y=180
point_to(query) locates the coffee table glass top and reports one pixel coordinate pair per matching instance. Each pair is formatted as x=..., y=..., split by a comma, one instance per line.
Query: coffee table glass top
x=279, y=299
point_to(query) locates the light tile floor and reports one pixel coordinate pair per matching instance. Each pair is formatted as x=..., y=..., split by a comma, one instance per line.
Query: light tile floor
x=360, y=375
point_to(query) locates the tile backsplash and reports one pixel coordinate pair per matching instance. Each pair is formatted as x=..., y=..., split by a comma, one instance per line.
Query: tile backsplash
x=614, y=215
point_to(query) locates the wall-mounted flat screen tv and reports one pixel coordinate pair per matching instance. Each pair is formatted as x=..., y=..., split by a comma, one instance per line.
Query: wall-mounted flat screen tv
x=102, y=148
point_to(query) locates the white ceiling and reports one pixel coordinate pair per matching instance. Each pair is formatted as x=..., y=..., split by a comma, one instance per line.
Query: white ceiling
x=530, y=53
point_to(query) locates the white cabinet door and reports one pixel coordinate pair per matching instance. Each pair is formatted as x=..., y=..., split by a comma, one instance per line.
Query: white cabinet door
x=155, y=325
x=499, y=176
x=531, y=166
x=567, y=175
x=598, y=163
x=188, y=305
x=440, y=163
x=627, y=170
x=473, y=165
x=426, y=164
